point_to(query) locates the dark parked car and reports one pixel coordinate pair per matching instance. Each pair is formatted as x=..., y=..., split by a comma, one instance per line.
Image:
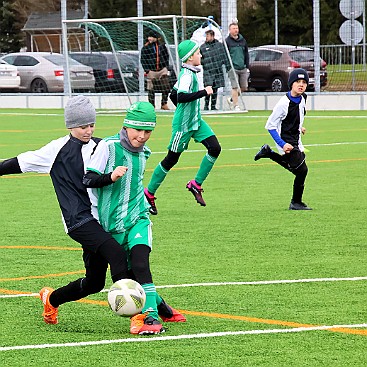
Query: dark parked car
x=107, y=72
x=270, y=66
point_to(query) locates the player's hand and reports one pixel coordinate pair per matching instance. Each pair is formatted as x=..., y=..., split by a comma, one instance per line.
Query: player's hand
x=118, y=172
x=303, y=130
x=209, y=90
x=287, y=148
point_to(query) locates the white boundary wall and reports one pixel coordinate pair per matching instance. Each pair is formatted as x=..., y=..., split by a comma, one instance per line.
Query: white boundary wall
x=254, y=101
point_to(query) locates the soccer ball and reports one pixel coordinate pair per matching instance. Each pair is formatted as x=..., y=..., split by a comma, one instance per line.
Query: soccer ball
x=126, y=297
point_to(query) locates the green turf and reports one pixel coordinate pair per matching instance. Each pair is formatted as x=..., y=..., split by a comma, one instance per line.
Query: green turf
x=245, y=234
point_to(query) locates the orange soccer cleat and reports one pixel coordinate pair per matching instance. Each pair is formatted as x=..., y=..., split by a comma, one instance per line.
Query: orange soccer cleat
x=169, y=314
x=49, y=312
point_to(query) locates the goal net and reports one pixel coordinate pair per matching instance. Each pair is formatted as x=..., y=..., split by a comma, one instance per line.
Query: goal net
x=112, y=47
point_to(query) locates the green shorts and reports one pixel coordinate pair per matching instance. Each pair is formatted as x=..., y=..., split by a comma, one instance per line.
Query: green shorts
x=180, y=140
x=139, y=234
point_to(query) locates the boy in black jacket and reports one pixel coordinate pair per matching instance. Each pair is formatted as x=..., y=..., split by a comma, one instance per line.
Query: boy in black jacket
x=285, y=125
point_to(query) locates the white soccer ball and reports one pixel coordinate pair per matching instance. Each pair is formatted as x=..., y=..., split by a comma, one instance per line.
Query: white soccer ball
x=126, y=297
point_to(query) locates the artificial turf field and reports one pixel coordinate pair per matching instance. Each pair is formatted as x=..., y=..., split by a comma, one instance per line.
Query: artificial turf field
x=260, y=285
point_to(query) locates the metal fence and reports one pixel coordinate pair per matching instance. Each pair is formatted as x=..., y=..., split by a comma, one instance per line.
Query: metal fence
x=346, y=67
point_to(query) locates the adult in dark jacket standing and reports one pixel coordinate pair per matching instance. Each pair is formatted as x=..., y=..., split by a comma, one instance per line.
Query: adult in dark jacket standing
x=154, y=59
x=213, y=58
x=240, y=73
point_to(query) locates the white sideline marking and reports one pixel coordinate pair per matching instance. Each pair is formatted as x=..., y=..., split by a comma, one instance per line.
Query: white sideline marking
x=180, y=337
x=264, y=282
x=257, y=148
x=222, y=114
x=258, y=282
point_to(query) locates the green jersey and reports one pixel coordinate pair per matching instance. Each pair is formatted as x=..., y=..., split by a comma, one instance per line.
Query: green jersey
x=123, y=203
x=187, y=116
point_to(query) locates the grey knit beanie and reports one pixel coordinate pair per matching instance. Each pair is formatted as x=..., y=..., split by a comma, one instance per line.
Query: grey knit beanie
x=79, y=111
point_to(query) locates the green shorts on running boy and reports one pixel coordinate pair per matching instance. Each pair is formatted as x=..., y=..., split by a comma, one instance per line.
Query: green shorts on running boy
x=180, y=140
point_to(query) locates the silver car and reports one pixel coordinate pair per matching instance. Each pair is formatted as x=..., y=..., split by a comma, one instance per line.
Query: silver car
x=42, y=72
x=9, y=76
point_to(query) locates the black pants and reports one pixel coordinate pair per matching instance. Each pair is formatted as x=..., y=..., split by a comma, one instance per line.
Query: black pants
x=295, y=162
x=213, y=98
x=211, y=143
x=99, y=250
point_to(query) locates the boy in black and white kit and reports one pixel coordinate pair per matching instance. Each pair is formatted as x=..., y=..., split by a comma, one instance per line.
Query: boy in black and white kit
x=285, y=125
x=66, y=159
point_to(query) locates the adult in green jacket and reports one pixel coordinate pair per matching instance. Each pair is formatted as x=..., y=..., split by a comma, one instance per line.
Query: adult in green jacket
x=240, y=73
x=214, y=56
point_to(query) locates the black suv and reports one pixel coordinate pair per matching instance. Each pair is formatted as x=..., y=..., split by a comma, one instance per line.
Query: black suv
x=107, y=73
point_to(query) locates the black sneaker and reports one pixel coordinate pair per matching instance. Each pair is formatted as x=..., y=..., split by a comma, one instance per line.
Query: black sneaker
x=214, y=109
x=298, y=206
x=151, y=326
x=206, y=108
x=151, y=200
x=264, y=152
x=196, y=190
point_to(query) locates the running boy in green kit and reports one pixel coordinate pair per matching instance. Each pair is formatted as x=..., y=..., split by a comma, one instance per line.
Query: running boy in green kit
x=117, y=168
x=187, y=124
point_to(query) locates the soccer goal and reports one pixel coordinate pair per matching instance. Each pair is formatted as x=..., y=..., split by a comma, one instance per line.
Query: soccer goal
x=112, y=48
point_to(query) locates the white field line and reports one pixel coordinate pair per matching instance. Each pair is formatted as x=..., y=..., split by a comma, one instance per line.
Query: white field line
x=258, y=282
x=257, y=148
x=217, y=115
x=179, y=337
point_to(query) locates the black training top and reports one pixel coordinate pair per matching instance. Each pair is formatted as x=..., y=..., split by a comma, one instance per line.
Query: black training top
x=65, y=159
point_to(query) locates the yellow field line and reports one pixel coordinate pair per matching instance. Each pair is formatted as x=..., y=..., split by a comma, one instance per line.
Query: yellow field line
x=338, y=160
x=228, y=317
x=269, y=321
x=44, y=248
x=349, y=331
x=9, y=291
x=42, y=276
x=216, y=166
x=26, y=176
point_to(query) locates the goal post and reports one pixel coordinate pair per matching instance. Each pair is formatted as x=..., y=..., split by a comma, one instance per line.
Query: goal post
x=112, y=48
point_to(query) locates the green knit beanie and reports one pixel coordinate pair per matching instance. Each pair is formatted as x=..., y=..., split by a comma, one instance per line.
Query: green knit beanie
x=186, y=49
x=140, y=116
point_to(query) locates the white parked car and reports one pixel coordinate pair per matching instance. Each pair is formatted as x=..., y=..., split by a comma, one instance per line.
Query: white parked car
x=9, y=76
x=42, y=72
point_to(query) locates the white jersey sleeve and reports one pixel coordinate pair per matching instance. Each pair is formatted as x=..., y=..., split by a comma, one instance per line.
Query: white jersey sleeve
x=41, y=160
x=278, y=115
x=184, y=83
x=98, y=161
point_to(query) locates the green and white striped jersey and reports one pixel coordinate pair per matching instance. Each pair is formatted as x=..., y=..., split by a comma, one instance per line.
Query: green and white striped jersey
x=121, y=204
x=187, y=116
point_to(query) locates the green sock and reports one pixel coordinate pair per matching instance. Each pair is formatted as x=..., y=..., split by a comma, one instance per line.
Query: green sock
x=204, y=169
x=151, y=300
x=158, y=176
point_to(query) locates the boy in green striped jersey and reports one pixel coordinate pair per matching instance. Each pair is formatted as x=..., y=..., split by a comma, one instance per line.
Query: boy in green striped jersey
x=187, y=124
x=116, y=169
